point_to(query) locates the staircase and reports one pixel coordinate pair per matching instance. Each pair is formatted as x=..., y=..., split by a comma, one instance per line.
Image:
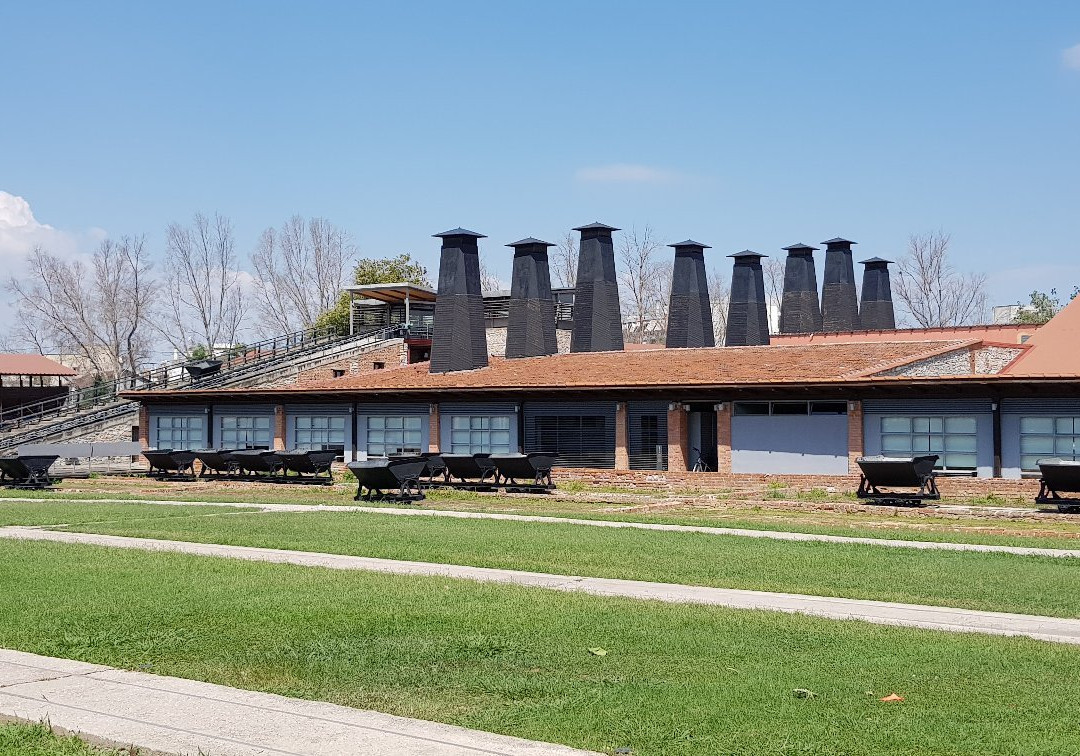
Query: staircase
x=100, y=406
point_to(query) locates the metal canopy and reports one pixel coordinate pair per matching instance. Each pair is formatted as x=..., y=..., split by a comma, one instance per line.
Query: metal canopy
x=393, y=293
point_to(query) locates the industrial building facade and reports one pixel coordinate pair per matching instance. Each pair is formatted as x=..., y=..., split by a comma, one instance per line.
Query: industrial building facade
x=989, y=401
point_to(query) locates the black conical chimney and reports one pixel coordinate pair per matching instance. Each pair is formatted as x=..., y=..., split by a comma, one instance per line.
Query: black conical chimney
x=839, y=303
x=530, y=329
x=876, y=312
x=748, y=318
x=597, y=314
x=459, y=341
x=799, y=309
x=690, y=311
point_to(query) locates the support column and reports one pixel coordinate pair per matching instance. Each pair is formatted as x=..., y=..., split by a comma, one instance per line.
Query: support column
x=433, y=428
x=677, y=438
x=723, y=437
x=279, y=427
x=144, y=426
x=854, y=435
x=622, y=437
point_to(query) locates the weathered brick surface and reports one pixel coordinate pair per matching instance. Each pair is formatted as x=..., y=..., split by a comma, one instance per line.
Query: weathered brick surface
x=279, y=427
x=855, y=436
x=678, y=439
x=723, y=438
x=144, y=426
x=622, y=440
x=391, y=356
x=433, y=419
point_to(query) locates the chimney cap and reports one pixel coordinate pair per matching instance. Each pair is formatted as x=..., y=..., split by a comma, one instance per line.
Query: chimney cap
x=798, y=247
x=838, y=241
x=597, y=226
x=875, y=261
x=690, y=243
x=747, y=253
x=530, y=242
x=459, y=231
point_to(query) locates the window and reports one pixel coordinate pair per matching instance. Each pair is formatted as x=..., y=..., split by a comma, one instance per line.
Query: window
x=181, y=432
x=953, y=439
x=378, y=365
x=319, y=432
x=244, y=432
x=337, y=373
x=650, y=432
x=1043, y=437
x=480, y=434
x=790, y=408
x=573, y=436
x=393, y=434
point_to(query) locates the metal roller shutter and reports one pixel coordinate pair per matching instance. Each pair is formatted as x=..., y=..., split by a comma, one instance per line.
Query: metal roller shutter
x=929, y=406
x=647, y=435
x=582, y=434
x=1025, y=406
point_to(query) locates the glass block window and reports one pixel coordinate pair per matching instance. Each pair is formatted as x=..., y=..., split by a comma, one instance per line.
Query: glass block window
x=244, y=432
x=480, y=434
x=319, y=432
x=393, y=434
x=952, y=438
x=181, y=432
x=1047, y=437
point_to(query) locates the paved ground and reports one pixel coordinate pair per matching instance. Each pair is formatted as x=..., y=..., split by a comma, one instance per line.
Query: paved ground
x=879, y=612
x=173, y=715
x=744, y=532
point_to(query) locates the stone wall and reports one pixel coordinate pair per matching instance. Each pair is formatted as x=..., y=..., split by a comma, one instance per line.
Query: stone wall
x=993, y=359
x=496, y=340
x=958, y=362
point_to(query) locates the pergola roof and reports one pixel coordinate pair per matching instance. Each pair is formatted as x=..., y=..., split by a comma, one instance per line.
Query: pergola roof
x=394, y=293
x=32, y=364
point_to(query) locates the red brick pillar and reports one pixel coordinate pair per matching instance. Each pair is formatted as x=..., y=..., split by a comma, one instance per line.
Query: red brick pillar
x=678, y=439
x=144, y=426
x=279, y=427
x=723, y=437
x=622, y=437
x=433, y=428
x=854, y=435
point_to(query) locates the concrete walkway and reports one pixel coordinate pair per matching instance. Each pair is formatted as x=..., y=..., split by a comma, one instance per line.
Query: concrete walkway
x=878, y=612
x=776, y=535
x=174, y=715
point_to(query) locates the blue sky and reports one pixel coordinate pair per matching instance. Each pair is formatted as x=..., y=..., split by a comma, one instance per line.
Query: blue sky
x=742, y=125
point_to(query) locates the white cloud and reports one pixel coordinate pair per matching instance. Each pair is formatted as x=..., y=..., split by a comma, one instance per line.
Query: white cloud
x=627, y=173
x=20, y=232
x=1070, y=58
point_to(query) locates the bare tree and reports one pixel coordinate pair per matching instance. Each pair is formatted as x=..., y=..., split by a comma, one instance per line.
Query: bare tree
x=98, y=312
x=641, y=286
x=932, y=293
x=564, y=261
x=488, y=280
x=774, y=269
x=299, y=271
x=204, y=300
x=719, y=297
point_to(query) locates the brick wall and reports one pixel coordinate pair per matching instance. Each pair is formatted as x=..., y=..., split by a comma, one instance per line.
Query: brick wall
x=391, y=356
x=144, y=426
x=433, y=435
x=855, y=435
x=723, y=438
x=622, y=440
x=678, y=438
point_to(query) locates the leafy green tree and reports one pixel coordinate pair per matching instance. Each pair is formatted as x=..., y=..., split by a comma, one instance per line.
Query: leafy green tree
x=1042, y=307
x=400, y=269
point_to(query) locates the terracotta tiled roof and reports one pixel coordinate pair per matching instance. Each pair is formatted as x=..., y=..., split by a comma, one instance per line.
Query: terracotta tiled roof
x=31, y=364
x=818, y=363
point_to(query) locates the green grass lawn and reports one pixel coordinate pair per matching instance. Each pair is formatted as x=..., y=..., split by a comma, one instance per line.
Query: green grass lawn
x=675, y=679
x=1048, y=532
x=25, y=739
x=57, y=513
x=997, y=582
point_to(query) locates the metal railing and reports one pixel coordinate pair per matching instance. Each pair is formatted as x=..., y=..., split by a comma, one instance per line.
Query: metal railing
x=238, y=364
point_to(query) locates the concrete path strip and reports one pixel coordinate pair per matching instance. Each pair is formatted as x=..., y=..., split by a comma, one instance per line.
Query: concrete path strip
x=775, y=535
x=1055, y=629
x=174, y=715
